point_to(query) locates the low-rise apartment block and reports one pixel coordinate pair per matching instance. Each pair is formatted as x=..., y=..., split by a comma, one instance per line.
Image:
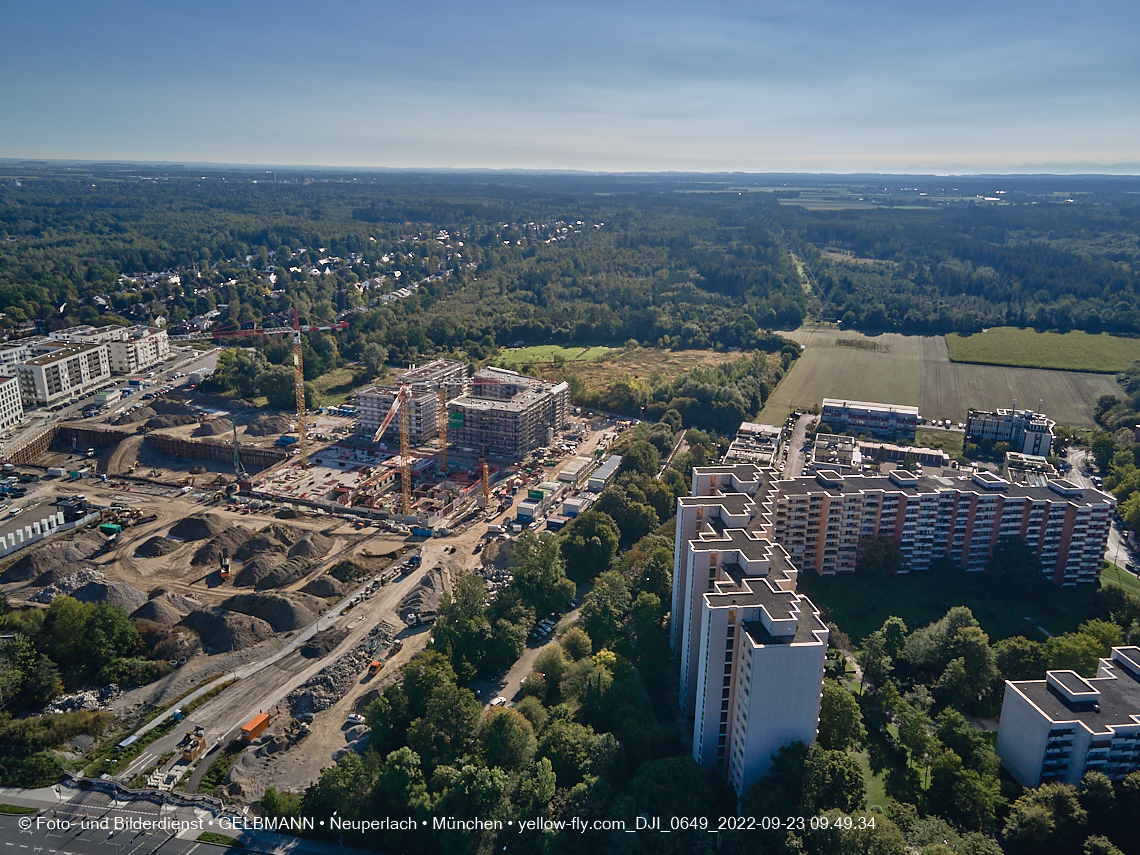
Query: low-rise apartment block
x=425, y=381
x=508, y=414
x=62, y=371
x=1025, y=430
x=885, y=421
x=755, y=443
x=821, y=521
x=1057, y=729
x=131, y=349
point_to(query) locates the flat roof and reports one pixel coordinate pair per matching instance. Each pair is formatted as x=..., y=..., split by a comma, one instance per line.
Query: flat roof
x=1119, y=700
x=933, y=484
x=869, y=405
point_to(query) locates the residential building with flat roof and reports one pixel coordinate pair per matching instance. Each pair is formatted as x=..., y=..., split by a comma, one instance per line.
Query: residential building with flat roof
x=11, y=403
x=131, y=349
x=1057, y=729
x=508, y=414
x=821, y=521
x=1025, y=430
x=752, y=649
x=755, y=443
x=62, y=371
x=886, y=421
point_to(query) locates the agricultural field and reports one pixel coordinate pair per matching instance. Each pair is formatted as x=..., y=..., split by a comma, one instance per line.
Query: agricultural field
x=513, y=357
x=1071, y=351
x=899, y=369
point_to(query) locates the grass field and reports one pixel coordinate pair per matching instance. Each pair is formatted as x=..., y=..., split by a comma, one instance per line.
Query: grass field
x=514, y=356
x=335, y=387
x=859, y=604
x=1121, y=578
x=644, y=363
x=949, y=441
x=917, y=370
x=1071, y=351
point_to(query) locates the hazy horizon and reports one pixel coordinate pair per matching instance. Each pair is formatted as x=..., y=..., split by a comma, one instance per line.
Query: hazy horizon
x=824, y=87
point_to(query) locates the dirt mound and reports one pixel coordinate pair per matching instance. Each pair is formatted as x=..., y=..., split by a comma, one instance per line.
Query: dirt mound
x=425, y=596
x=199, y=527
x=311, y=546
x=116, y=593
x=65, y=556
x=167, y=407
x=166, y=608
x=134, y=416
x=222, y=630
x=213, y=427
x=275, y=537
x=268, y=424
x=159, y=422
x=271, y=570
x=323, y=643
x=325, y=586
x=156, y=547
x=288, y=514
x=229, y=541
x=284, y=613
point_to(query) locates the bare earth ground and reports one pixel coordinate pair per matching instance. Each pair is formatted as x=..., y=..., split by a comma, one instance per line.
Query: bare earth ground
x=916, y=370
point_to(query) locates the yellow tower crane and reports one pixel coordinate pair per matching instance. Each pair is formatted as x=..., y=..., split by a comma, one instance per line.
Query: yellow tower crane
x=442, y=409
x=401, y=406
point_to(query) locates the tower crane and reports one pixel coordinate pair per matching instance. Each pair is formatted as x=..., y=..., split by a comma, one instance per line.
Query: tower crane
x=298, y=362
x=400, y=405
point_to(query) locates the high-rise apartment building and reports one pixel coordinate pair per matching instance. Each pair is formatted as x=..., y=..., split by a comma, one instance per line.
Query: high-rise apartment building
x=821, y=521
x=11, y=404
x=752, y=649
x=62, y=371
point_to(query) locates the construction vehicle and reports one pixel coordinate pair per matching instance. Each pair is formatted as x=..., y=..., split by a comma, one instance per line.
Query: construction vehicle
x=374, y=668
x=193, y=744
x=224, y=570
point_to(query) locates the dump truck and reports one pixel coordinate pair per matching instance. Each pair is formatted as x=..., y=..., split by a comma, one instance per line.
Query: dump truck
x=375, y=667
x=111, y=528
x=255, y=727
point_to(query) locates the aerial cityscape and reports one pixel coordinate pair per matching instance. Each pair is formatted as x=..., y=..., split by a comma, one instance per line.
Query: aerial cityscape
x=630, y=428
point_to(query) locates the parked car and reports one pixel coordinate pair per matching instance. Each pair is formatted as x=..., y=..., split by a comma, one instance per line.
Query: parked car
x=356, y=718
x=499, y=702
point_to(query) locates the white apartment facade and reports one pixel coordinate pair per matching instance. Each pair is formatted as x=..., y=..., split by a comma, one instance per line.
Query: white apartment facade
x=11, y=404
x=1025, y=430
x=1057, y=729
x=752, y=650
x=63, y=371
x=131, y=349
x=425, y=381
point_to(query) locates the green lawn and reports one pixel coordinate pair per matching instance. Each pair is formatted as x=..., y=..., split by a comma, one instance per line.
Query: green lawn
x=515, y=356
x=949, y=441
x=1121, y=578
x=876, y=787
x=859, y=604
x=1071, y=351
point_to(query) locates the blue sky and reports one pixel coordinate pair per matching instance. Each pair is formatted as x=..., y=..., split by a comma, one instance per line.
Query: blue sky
x=858, y=85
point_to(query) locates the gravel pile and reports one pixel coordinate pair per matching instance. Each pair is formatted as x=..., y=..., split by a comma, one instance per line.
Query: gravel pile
x=332, y=683
x=426, y=595
x=230, y=541
x=165, y=607
x=284, y=613
x=274, y=537
x=168, y=407
x=89, y=699
x=214, y=427
x=156, y=547
x=324, y=586
x=268, y=424
x=117, y=593
x=323, y=643
x=67, y=585
x=52, y=559
x=222, y=630
x=199, y=527
x=312, y=545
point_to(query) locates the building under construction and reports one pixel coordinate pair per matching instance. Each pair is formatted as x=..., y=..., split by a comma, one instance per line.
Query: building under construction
x=427, y=383
x=507, y=414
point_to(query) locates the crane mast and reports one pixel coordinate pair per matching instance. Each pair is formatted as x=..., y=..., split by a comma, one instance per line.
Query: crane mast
x=299, y=385
x=442, y=411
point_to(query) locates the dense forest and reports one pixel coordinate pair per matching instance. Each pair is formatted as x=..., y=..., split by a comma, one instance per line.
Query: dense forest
x=679, y=262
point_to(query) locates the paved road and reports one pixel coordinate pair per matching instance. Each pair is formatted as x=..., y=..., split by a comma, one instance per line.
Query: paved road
x=794, y=462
